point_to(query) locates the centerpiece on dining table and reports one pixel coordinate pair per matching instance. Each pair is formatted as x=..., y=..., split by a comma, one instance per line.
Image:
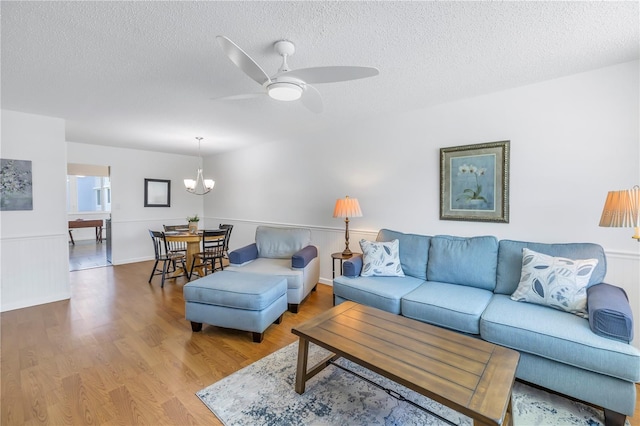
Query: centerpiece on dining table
x=193, y=223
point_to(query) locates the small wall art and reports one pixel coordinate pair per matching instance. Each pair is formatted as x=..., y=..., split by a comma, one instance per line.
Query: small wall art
x=16, y=185
x=474, y=182
x=157, y=193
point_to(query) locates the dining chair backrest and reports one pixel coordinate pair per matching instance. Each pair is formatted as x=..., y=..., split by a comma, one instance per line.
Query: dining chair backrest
x=214, y=240
x=228, y=228
x=159, y=244
x=176, y=246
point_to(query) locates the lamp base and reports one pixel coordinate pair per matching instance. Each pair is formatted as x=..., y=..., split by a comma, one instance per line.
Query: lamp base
x=347, y=253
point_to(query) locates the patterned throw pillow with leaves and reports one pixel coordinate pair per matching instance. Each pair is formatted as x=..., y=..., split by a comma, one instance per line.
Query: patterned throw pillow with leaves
x=381, y=259
x=556, y=282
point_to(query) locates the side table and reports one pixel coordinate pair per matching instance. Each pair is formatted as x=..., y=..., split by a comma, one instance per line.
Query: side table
x=341, y=257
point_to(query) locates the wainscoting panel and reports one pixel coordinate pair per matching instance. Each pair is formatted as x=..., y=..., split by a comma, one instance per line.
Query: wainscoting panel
x=35, y=270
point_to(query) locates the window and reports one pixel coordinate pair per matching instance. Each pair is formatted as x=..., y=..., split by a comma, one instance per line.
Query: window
x=88, y=188
x=88, y=194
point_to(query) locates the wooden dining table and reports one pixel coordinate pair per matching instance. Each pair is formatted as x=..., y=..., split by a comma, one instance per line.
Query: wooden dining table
x=193, y=246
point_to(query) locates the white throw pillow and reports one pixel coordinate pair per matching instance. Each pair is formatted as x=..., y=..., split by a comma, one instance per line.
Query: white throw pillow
x=381, y=259
x=557, y=282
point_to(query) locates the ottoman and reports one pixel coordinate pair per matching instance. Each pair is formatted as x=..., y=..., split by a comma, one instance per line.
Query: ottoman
x=239, y=300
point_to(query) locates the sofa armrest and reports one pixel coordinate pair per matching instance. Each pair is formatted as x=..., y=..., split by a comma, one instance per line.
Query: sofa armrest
x=244, y=254
x=353, y=266
x=609, y=312
x=301, y=258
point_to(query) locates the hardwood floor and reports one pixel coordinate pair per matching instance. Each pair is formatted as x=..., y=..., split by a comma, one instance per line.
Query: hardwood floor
x=121, y=353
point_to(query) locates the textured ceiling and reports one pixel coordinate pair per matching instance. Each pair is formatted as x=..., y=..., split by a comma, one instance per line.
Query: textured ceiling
x=143, y=74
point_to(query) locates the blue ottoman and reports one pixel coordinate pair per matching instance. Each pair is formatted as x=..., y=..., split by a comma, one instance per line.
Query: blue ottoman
x=239, y=300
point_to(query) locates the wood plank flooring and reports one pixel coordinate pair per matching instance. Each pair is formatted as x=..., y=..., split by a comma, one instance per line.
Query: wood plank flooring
x=121, y=353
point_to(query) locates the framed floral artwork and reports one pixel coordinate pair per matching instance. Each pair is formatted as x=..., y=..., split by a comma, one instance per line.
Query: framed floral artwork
x=16, y=185
x=474, y=182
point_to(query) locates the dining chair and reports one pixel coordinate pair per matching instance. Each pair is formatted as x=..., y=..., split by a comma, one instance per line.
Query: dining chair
x=168, y=258
x=213, y=244
x=229, y=228
x=176, y=246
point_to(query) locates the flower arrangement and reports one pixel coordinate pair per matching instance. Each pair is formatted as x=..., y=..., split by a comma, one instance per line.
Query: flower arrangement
x=470, y=194
x=193, y=218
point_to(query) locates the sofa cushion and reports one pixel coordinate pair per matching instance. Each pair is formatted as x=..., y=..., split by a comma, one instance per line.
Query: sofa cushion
x=274, y=267
x=452, y=306
x=510, y=260
x=464, y=261
x=609, y=312
x=414, y=251
x=380, y=259
x=281, y=243
x=379, y=292
x=557, y=282
x=557, y=335
x=236, y=290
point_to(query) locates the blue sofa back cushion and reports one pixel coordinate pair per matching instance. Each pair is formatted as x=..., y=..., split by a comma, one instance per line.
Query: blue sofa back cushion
x=609, y=312
x=281, y=243
x=414, y=251
x=510, y=260
x=464, y=261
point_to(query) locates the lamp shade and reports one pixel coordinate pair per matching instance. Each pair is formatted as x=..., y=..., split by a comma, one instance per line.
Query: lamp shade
x=347, y=207
x=622, y=209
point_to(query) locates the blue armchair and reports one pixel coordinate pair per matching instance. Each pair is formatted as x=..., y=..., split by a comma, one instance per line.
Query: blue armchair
x=285, y=252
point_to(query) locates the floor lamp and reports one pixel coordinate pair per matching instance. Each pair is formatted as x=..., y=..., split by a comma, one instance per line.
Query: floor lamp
x=347, y=207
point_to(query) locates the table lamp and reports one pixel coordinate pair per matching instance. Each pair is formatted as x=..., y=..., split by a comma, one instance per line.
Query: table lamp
x=622, y=210
x=347, y=207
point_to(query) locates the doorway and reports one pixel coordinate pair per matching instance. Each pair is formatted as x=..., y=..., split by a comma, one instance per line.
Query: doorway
x=89, y=216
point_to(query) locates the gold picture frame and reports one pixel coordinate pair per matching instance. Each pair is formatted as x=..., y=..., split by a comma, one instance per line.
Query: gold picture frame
x=474, y=182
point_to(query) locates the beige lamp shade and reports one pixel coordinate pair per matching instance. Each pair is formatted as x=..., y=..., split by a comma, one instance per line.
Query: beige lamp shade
x=622, y=210
x=347, y=207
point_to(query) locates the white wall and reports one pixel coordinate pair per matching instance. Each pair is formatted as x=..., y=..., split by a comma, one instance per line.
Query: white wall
x=34, y=265
x=130, y=220
x=572, y=140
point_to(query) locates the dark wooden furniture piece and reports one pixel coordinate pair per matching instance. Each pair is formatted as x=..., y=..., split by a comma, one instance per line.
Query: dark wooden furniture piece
x=176, y=246
x=168, y=258
x=213, y=244
x=82, y=223
x=468, y=375
x=229, y=228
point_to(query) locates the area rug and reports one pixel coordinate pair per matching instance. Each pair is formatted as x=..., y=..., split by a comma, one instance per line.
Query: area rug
x=263, y=394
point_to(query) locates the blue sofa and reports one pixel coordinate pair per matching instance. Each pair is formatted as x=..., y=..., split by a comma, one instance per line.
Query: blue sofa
x=464, y=284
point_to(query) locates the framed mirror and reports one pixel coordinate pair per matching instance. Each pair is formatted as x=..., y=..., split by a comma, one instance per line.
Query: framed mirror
x=157, y=193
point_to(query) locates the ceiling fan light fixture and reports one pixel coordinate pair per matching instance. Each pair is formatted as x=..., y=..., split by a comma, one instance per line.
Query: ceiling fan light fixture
x=284, y=91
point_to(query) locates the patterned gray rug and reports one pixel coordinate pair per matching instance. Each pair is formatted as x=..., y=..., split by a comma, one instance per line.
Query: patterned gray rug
x=263, y=394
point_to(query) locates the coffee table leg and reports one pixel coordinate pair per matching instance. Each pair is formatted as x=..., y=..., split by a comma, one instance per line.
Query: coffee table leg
x=301, y=372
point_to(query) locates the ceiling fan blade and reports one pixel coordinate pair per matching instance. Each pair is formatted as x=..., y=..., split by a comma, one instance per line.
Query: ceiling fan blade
x=239, y=97
x=331, y=74
x=242, y=60
x=311, y=99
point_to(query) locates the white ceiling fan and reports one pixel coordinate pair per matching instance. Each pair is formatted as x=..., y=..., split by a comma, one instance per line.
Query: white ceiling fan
x=287, y=84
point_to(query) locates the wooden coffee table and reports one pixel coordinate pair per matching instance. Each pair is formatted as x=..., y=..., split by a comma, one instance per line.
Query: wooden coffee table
x=468, y=375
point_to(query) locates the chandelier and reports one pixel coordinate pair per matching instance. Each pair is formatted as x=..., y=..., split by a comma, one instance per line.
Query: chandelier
x=199, y=185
